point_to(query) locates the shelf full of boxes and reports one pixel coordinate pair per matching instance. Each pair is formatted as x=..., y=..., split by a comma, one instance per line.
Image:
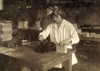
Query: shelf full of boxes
x=90, y=32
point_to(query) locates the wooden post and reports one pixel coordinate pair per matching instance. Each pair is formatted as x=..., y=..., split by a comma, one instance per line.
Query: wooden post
x=68, y=64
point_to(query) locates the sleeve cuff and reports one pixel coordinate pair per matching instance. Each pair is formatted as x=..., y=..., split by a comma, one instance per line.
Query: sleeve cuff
x=74, y=41
x=42, y=34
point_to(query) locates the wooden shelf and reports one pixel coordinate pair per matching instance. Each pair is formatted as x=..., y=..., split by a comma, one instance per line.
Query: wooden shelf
x=91, y=27
x=90, y=39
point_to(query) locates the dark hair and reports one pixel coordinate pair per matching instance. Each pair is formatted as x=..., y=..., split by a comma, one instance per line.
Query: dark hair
x=57, y=11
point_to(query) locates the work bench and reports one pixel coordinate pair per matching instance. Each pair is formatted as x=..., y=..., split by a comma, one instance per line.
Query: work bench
x=27, y=57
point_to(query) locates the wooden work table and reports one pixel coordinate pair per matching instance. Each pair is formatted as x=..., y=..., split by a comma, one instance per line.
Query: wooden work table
x=38, y=61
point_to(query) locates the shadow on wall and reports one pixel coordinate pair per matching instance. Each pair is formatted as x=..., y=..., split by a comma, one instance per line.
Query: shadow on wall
x=90, y=16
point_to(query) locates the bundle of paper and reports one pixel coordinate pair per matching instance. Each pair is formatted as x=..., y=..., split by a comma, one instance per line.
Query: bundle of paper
x=5, y=35
x=5, y=39
x=5, y=31
x=61, y=49
x=4, y=24
x=23, y=24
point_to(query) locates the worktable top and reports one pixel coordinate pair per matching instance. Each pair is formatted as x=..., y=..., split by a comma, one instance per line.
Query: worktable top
x=34, y=59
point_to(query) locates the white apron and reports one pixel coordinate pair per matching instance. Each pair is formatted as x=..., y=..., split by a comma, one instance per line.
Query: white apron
x=74, y=59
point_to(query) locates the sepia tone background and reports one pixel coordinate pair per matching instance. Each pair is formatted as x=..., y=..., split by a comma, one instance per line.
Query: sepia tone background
x=83, y=14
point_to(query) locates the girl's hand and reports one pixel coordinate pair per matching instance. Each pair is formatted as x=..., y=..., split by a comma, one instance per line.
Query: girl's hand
x=41, y=38
x=66, y=42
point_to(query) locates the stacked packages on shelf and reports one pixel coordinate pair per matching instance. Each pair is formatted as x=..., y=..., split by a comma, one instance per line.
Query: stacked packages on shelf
x=5, y=31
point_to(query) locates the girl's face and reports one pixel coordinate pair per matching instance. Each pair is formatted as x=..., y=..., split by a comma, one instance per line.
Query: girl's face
x=56, y=18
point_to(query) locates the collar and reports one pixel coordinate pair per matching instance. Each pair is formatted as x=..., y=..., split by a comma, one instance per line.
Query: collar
x=62, y=24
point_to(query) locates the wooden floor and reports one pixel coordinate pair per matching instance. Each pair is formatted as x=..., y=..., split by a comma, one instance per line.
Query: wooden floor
x=86, y=64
